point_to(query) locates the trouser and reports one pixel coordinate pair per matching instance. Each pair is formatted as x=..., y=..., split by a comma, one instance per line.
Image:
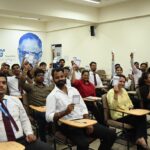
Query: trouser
x=42, y=124
x=79, y=137
x=139, y=124
x=97, y=110
x=37, y=145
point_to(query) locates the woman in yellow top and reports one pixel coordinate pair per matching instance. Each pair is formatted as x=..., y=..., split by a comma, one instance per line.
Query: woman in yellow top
x=118, y=98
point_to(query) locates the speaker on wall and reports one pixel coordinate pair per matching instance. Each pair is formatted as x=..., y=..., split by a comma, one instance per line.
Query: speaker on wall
x=92, y=30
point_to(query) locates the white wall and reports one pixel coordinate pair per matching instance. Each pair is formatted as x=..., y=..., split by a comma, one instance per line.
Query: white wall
x=122, y=37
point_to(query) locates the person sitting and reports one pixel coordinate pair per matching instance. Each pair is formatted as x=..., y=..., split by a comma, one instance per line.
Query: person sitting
x=37, y=94
x=86, y=89
x=59, y=104
x=14, y=122
x=118, y=98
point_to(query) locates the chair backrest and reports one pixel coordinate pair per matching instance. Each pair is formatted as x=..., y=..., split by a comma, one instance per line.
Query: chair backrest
x=102, y=74
x=106, y=108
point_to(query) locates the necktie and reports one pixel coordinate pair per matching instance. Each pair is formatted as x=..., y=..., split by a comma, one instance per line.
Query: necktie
x=7, y=123
x=95, y=81
x=19, y=87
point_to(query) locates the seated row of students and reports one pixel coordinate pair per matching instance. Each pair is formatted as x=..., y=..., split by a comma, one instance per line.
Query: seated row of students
x=39, y=80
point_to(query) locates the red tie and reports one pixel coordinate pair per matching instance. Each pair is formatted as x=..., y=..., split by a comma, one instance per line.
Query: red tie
x=7, y=123
x=95, y=81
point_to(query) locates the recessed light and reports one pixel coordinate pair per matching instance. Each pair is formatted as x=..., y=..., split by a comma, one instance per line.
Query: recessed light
x=93, y=1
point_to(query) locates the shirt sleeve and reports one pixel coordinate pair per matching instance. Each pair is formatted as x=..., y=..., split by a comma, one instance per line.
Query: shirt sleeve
x=25, y=122
x=50, y=107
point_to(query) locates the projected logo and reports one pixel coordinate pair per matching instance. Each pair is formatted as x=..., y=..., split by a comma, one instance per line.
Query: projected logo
x=30, y=48
x=2, y=52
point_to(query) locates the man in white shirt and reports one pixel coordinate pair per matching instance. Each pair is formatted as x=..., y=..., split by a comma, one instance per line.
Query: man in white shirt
x=14, y=122
x=60, y=104
x=13, y=81
x=137, y=73
x=96, y=80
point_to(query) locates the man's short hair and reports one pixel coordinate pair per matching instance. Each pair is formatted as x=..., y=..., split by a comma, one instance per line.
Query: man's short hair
x=84, y=72
x=12, y=67
x=37, y=71
x=43, y=64
x=61, y=60
x=93, y=62
x=7, y=65
x=136, y=63
x=57, y=70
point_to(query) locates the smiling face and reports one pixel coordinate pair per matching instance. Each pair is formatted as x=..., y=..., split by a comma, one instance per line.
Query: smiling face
x=85, y=76
x=121, y=82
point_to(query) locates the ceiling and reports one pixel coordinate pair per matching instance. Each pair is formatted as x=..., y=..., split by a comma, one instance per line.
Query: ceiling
x=49, y=10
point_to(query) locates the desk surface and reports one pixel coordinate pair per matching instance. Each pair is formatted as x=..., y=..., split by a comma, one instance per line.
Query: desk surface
x=79, y=123
x=11, y=146
x=132, y=92
x=136, y=112
x=92, y=98
x=38, y=108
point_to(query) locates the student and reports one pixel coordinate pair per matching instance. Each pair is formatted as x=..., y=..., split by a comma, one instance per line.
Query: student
x=118, y=98
x=14, y=122
x=59, y=104
x=37, y=94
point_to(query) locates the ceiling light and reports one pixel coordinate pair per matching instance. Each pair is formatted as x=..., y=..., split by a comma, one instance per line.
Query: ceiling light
x=30, y=18
x=93, y=1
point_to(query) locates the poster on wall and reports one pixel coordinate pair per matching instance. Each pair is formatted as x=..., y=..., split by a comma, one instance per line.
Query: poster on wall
x=30, y=48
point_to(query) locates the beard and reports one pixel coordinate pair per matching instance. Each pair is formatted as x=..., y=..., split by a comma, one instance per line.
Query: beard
x=60, y=83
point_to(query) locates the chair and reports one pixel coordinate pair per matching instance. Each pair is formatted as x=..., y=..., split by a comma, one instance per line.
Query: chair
x=115, y=124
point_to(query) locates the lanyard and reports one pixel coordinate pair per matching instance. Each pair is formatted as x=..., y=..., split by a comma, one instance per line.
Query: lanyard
x=2, y=110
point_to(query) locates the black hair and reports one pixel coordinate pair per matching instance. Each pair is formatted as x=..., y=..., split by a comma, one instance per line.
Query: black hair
x=84, y=72
x=119, y=67
x=136, y=63
x=42, y=64
x=61, y=60
x=12, y=67
x=7, y=65
x=56, y=70
x=93, y=62
x=37, y=71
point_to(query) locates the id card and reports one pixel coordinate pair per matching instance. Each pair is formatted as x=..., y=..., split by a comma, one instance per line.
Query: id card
x=76, y=99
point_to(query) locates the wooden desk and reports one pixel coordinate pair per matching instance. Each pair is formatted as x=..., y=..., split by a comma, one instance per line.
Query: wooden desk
x=79, y=123
x=11, y=146
x=136, y=112
x=38, y=108
x=92, y=98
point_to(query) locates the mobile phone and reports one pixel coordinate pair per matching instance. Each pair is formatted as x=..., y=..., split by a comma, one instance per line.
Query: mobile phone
x=76, y=99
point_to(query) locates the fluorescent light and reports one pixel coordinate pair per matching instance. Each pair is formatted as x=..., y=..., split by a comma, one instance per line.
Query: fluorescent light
x=30, y=18
x=93, y=1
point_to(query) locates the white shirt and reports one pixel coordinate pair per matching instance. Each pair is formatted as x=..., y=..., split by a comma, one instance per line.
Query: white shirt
x=98, y=79
x=58, y=101
x=18, y=112
x=13, y=86
x=136, y=73
x=68, y=82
